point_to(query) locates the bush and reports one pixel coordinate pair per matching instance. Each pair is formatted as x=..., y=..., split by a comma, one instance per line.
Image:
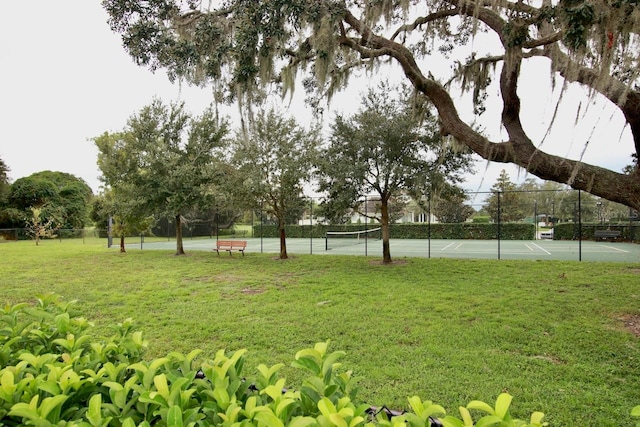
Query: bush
x=508, y=231
x=303, y=231
x=481, y=219
x=55, y=373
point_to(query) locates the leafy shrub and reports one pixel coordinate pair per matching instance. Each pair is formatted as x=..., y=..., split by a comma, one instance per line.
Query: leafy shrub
x=55, y=373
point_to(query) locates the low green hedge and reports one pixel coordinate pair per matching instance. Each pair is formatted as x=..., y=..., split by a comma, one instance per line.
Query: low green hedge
x=56, y=373
x=478, y=231
x=508, y=231
x=570, y=231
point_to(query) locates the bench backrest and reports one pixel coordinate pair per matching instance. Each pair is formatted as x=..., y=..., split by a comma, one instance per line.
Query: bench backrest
x=606, y=233
x=232, y=243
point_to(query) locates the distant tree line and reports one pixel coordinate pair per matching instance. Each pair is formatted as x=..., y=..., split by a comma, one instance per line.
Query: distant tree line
x=549, y=201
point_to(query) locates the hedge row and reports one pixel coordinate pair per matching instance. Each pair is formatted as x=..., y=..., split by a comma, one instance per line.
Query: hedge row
x=508, y=231
x=570, y=231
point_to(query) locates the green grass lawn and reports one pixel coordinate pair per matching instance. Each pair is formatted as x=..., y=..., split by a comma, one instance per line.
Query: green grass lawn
x=552, y=334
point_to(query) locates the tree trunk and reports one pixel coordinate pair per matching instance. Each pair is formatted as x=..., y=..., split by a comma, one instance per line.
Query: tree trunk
x=122, y=250
x=283, y=240
x=384, y=224
x=179, y=247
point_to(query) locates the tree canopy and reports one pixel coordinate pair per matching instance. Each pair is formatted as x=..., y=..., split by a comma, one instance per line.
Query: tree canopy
x=241, y=45
x=5, y=186
x=505, y=204
x=57, y=194
x=385, y=150
x=163, y=162
x=4, y=180
x=452, y=208
x=274, y=159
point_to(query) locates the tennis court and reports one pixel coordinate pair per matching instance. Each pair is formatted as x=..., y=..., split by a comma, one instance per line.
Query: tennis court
x=481, y=249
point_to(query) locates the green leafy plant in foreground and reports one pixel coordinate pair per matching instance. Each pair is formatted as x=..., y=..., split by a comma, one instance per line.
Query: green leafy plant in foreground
x=56, y=373
x=635, y=412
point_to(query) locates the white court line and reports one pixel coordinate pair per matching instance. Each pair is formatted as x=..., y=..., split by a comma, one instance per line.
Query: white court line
x=616, y=249
x=448, y=246
x=458, y=247
x=542, y=249
x=529, y=247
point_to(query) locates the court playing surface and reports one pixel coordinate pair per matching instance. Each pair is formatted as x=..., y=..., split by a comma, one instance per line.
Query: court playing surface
x=484, y=249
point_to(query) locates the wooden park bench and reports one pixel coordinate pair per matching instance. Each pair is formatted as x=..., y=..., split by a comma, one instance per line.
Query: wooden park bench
x=606, y=235
x=230, y=245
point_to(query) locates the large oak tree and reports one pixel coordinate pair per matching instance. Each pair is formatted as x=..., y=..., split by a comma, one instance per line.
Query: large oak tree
x=163, y=162
x=384, y=150
x=241, y=44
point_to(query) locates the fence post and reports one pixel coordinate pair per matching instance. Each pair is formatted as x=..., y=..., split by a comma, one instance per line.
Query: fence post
x=579, y=225
x=366, y=227
x=535, y=219
x=499, y=222
x=310, y=226
x=630, y=233
x=429, y=225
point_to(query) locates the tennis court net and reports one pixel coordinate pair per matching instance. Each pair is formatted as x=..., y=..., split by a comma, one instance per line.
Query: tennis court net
x=337, y=239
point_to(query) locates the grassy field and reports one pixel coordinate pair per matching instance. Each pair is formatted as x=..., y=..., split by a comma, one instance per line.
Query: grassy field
x=556, y=335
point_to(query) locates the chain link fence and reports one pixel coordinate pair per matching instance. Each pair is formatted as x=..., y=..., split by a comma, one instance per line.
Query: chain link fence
x=551, y=215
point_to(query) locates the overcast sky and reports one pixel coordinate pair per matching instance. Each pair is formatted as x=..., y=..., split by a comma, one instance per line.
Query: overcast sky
x=65, y=78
